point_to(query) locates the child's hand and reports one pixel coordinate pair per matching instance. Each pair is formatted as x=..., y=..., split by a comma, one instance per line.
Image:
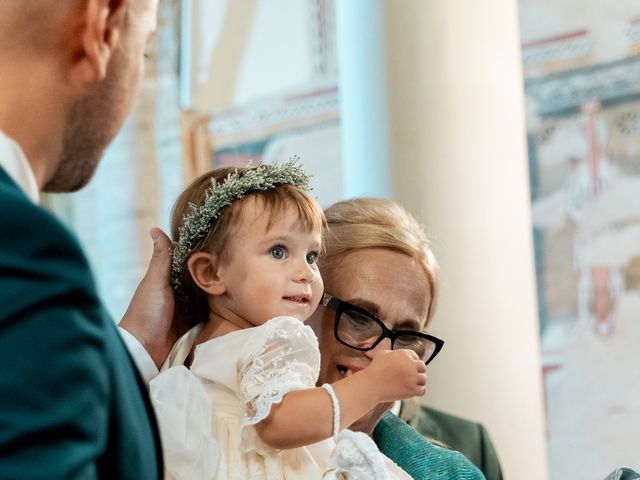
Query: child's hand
x=397, y=374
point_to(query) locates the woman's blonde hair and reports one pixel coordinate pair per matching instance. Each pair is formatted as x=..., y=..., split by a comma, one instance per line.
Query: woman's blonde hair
x=362, y=223
x=192, y=304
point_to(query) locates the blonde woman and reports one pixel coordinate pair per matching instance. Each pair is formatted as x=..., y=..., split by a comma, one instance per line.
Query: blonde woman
x=379, y=264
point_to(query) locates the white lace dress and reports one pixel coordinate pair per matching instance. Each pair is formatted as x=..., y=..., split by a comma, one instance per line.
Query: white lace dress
x=233, y=382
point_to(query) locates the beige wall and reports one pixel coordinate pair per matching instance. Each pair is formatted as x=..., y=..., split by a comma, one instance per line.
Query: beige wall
x=459, y=162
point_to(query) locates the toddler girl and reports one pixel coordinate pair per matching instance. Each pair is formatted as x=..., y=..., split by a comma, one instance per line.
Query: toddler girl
x=245, y=273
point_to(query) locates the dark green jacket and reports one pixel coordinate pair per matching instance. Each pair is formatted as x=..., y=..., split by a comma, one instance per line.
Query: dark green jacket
x=72, y=405
x=469, y=438
x=418, y=457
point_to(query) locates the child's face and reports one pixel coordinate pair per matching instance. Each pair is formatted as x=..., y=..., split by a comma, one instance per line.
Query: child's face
x=270, y=272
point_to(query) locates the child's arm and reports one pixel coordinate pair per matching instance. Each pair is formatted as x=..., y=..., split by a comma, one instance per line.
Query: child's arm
x=305, y=416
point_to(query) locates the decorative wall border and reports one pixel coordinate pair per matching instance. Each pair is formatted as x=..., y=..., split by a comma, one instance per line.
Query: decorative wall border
x=563, y=93
x=565, y=47
x=323, y=41
x=265, y=118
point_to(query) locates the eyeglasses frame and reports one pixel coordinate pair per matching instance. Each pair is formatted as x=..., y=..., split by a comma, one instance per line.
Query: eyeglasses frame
x=340, y=306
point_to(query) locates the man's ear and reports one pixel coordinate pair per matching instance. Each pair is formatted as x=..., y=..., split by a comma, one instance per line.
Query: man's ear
x=204, y=268
x=98, y=35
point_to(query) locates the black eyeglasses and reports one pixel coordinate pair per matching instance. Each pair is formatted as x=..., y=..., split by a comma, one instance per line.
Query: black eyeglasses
x=357, y=328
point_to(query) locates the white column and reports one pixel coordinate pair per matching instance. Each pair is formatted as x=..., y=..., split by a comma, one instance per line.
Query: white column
x=458, y=149
x=363, y=97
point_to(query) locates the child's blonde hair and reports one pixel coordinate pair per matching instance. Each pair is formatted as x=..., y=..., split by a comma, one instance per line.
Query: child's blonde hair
x=191, y=305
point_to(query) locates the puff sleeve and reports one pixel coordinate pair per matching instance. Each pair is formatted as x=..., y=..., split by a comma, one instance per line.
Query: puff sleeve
x=284, y=358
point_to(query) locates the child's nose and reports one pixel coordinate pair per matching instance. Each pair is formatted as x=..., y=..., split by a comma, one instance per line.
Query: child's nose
x=304, y=271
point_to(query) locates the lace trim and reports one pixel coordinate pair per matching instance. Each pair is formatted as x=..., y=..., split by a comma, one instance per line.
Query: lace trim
x=287, y=360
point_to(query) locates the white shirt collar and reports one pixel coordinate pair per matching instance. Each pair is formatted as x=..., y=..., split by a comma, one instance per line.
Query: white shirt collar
x=14, y=162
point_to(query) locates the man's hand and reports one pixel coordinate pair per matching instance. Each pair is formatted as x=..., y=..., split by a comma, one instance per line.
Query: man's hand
x=150, y=313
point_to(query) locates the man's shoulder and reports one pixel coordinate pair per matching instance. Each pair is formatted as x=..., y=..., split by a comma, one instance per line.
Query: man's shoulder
x=433, y=421
x=466, y=436
x=35, y=234
x=19, y=212
x=41, y=261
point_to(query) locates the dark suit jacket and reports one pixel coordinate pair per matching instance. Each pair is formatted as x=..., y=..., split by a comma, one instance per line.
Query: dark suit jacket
x=72, y=405
x=469, y=438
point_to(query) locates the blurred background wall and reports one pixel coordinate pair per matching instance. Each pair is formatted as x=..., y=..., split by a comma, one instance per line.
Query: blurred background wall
x=582, y=85
x=500, y=125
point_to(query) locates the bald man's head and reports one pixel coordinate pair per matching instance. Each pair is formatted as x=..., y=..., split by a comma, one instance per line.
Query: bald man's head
x=33, y=26
x=79, y=63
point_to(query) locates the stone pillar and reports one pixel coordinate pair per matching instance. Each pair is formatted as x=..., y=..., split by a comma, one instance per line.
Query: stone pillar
x=362, y=89
x=458, y=150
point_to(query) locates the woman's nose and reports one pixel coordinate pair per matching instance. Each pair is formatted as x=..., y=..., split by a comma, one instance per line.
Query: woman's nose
x=385, y=344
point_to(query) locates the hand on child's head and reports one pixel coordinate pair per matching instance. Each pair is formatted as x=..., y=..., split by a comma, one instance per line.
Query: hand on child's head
x=398, y=374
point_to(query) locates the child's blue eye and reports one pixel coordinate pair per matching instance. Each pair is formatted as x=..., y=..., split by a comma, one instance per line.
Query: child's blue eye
x=278, y=252
x=312, y=258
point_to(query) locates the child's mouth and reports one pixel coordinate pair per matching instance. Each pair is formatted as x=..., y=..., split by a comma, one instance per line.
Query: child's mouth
x=300, y=300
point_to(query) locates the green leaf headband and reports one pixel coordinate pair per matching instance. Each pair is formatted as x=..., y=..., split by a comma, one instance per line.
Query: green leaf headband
x=236, y=185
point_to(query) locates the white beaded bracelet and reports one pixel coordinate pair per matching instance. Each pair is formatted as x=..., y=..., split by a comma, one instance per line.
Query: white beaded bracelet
x=336, y=410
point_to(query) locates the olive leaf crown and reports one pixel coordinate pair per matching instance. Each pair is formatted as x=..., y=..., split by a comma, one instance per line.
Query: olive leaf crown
x=196, y=223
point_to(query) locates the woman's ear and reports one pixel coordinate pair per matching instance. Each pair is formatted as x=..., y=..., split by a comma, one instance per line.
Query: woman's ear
x=204, y=268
